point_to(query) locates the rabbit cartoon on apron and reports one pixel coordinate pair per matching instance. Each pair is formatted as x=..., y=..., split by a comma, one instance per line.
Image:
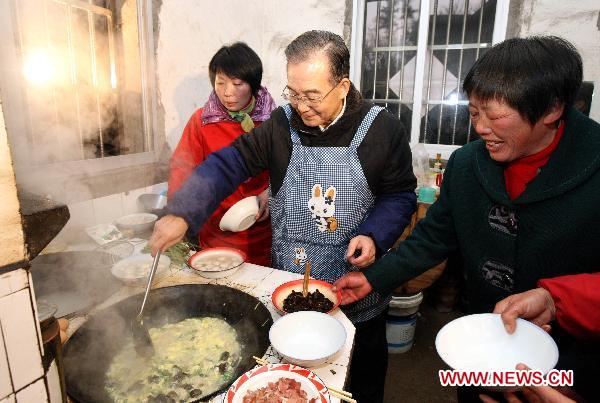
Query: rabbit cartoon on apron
x=311, y=224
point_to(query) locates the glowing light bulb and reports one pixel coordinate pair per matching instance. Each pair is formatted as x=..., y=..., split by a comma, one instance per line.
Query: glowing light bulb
x=38, y=68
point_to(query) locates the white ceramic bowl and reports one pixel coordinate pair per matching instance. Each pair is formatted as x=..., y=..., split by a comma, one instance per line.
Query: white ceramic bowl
x=135, y=269
x=217, y=262
x=138, y=222
x=307, y=338
x=480, y=343
x=240, y=216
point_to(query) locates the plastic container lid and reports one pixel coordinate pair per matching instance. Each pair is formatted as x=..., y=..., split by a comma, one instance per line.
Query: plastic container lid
x=406, y=301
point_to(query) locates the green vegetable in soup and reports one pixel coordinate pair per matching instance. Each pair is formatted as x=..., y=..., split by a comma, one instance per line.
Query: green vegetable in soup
x=193, y=358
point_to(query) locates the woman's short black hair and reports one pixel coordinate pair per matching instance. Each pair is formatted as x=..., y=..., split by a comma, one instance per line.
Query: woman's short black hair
x=237, y=61
x=532, y=75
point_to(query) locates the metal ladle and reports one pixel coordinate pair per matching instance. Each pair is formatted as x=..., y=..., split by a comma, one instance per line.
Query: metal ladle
x=141, y=337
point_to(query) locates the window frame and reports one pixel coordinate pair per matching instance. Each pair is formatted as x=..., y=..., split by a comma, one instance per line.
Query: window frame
x=59, y=179
x=356, y=54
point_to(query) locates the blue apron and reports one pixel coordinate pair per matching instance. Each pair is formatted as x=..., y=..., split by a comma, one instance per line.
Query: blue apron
x=322, y=201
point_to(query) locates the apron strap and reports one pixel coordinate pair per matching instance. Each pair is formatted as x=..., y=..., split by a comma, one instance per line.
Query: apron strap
x=362, y=130
x=287, y=108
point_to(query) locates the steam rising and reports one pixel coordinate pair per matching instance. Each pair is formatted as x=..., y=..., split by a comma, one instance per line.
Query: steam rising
x=80, y=88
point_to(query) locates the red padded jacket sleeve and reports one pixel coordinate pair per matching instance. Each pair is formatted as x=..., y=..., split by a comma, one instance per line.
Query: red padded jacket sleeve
x=577, y=301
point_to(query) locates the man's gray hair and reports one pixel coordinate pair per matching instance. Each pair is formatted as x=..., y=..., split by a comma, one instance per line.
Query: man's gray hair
x=312, y=42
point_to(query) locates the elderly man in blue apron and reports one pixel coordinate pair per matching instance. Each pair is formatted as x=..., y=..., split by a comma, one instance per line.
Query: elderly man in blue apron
x=341, y=188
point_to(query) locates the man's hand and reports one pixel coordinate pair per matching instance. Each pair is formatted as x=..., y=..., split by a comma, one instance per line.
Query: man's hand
x=354, y=286
x=534, y=305
x=366, y=247
x=263, y=206
x=167, y=232
x=532, y=394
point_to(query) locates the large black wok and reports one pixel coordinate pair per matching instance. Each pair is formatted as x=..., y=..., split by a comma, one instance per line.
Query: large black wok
x=89, y=352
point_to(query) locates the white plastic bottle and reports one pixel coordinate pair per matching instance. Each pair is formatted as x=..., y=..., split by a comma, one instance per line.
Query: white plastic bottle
x=420, y=163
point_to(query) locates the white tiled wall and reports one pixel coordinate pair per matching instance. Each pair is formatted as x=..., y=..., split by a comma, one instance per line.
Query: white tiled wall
x=103, y=210
x=21, y=339
x=34, y=393
x=21, y=372
x=13, y=281
x=5, y=381
x=54, y=383
x=9, y=399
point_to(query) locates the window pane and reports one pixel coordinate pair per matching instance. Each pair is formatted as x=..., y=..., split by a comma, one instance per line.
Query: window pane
x=384, y=23
x=438, y=22
x=388, y=75
x=405, y=25
x=460, y=31
x=91, y=102
x=66, y=110
x=487, y=26
x=107, y=99
x=100, y=3
x=368, y=75
x=480, y=21
x=370, y=40
x=448, y=59
x=463, y=126
x=402, y=81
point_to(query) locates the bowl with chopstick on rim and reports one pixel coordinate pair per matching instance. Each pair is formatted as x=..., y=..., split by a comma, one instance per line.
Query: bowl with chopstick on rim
x=306, y=294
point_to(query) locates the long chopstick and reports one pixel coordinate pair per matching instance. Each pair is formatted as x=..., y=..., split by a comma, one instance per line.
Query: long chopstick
x=339, y=391
x=340, y=394
x=306, y=279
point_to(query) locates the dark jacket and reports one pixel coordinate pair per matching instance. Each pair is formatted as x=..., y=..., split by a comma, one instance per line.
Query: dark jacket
x=384, y=155
x=506, y=246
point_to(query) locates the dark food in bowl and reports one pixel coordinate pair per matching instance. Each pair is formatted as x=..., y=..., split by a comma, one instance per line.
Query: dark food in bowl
x=314, y=301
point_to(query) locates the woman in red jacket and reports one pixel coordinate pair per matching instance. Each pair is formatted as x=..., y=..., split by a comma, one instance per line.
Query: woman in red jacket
x=573, y=301
x=237, y=104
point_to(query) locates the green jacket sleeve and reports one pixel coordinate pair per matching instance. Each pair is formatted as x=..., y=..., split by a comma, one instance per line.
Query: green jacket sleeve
x=432, y=241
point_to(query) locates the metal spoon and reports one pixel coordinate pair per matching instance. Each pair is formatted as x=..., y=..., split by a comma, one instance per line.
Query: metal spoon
x=306, y=279
x=141, y=337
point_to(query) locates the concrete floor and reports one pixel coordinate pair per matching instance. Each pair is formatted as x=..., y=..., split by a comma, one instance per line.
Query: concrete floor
x=413, y=376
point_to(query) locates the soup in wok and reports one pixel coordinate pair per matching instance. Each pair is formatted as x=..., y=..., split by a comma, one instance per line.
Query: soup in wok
x=204, y=338
x=193, y=358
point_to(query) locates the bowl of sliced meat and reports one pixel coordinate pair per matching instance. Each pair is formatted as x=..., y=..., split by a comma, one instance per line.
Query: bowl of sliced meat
x=278, y=383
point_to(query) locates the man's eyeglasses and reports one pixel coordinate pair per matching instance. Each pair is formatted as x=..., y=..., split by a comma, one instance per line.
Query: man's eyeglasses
x=295, y=99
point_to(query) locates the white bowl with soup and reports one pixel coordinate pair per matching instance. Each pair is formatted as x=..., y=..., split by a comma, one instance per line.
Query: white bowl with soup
x=134, y=270
x=217, y=262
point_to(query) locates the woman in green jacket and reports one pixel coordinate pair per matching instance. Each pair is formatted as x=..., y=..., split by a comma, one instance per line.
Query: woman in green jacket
x=521, y=203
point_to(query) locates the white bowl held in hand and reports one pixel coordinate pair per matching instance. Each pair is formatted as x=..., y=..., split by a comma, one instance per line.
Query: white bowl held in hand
x=481, y=343
x=307, y=338
x=241, y=216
